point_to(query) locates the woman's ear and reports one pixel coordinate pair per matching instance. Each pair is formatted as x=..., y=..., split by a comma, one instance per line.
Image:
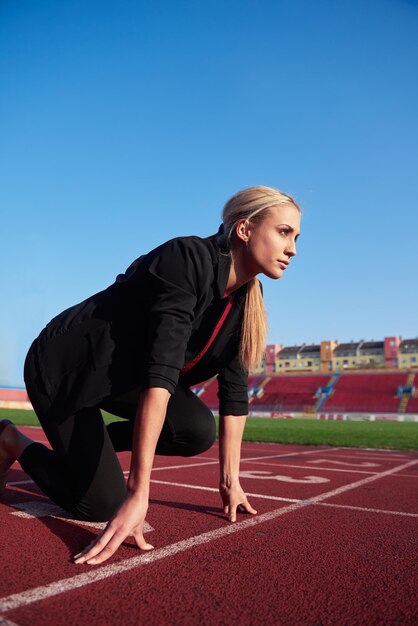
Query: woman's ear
x=241, y=230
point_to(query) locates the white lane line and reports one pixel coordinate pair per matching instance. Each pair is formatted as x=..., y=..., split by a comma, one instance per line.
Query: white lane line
x=332, y=469
x=323, y=449
x=243, y=460
x=215, y=490
x=191, y=465
x=277, y=498
x=363, y=481
x=170, y=467
x=375, y=455
x=280, y=499
x=251, y=459
x=24, y=598
x=364, y=509
x=17, y=600
x=126, y=472
x=407, y=476
x=280, y=456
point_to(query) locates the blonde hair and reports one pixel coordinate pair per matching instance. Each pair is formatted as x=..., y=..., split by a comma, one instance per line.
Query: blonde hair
x=252, y=204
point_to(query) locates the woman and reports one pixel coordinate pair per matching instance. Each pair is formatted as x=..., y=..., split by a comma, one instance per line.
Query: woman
x=186, y=311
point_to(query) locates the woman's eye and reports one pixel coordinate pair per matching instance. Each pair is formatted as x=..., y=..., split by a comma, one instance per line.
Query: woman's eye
x=284, y=232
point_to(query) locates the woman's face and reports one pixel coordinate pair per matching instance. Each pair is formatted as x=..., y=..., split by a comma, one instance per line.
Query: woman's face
x=272, y=243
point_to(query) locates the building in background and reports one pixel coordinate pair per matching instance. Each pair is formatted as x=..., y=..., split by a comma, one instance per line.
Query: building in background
x=331, y=356
x=304, y=358
x=408, y=354
x=271, y=355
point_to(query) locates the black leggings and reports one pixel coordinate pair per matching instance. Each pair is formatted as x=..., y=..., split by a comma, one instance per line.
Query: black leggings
x=82, y=473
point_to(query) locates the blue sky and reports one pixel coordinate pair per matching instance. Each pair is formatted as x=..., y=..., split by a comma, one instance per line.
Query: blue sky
x=125, y=123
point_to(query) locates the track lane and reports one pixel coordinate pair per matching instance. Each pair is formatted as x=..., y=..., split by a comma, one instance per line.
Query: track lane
x=199, y=517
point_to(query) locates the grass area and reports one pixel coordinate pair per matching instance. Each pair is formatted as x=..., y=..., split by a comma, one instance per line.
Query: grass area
x=28, y=418
x=396, y=435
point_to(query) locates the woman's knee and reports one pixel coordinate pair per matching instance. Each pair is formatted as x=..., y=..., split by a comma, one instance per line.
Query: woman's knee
x=200, y=437
x=190, y=425
x=98, y=510
x=101, y=504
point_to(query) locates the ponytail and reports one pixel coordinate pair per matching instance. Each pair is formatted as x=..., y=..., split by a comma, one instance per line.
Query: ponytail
x=254, y=327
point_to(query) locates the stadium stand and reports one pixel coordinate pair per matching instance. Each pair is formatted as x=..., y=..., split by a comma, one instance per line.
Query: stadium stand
x=411, y=401
x=333, y=393
x=255, y=386
x=375, y=392
x=14, y=394
x=412, y=406
x=14, y=399
x=290, y=393
x=209, y=395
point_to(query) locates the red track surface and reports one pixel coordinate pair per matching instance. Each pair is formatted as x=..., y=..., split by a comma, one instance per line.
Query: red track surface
x=334, y=542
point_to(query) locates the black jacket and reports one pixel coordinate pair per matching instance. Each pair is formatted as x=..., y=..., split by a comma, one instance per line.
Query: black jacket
x=143, y=329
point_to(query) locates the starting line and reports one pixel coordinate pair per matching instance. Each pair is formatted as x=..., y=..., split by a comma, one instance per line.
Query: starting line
x=45, y=508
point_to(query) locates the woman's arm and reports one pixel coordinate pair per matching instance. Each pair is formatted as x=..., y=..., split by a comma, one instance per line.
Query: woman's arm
x=149, y=419
x=231, y=429
x=129, y=518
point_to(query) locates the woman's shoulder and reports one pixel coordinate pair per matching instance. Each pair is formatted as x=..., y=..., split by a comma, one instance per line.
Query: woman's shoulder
x=177, y=256
x=188, y=264
x=191, y=249
x=192, y=243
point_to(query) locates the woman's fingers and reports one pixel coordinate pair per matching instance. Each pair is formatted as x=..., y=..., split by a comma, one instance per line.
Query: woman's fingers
x=95, y=547
x=104, y=548
x=128, y=520
x=232, y=499
x=141, y=543
x=106, y=544
x=232, y=512
x=105, y=552
x=247, y=506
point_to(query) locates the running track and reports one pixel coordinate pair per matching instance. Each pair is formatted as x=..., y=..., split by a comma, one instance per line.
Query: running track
x=334, y=542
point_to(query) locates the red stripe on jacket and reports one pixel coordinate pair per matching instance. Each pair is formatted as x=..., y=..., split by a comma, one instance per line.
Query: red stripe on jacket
x=216, y=330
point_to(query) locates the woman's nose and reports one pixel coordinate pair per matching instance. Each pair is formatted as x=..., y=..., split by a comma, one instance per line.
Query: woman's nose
x=291, y=249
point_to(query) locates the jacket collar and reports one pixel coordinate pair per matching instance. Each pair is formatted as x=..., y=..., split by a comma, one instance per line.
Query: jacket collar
x=221, y=262
x=222, y=267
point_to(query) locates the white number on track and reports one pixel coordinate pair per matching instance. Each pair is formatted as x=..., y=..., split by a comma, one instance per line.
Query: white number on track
x=309, y=480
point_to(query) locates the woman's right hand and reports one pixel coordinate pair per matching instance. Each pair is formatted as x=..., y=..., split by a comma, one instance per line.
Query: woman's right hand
x=128, y=520
x=234, y=499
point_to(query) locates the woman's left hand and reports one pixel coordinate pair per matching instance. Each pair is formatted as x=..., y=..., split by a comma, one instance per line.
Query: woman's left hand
x=128, y=520
x=233, y=497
